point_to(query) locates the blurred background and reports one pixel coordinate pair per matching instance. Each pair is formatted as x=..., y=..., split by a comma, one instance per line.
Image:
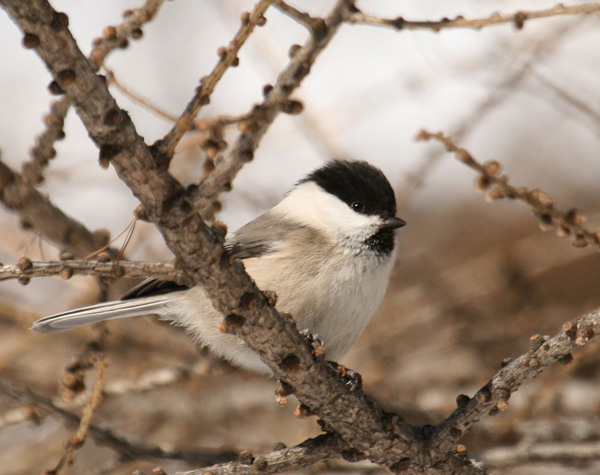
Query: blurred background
x=473, y=281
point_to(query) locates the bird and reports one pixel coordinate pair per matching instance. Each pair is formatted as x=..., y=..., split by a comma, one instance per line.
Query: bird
x=326, y=249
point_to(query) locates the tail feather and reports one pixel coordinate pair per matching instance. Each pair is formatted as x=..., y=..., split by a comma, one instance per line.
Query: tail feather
x=96, y=313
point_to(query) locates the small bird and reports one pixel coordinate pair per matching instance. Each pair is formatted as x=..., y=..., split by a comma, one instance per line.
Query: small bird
x=327, y=250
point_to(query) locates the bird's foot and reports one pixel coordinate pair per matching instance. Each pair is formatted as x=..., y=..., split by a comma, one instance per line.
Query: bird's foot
x=352, y=379
x=315, y=341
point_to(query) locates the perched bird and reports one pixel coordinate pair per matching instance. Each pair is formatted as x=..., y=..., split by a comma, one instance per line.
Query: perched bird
x=327, y=250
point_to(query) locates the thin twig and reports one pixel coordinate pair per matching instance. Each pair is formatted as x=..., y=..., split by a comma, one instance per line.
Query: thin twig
x=27, y=269
x=566, y=453
x=566, y=223
x=518, y=19
x=80, y=436
x=265, y=113
x=311, y=23
x=572, y=100
x=127, y=450
x=165, y=148
x=509, y=85
x=145, y=103
x=116, y=36
x=43, y=150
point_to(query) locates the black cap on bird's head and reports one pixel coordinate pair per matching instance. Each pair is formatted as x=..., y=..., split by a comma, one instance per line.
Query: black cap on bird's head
x=363, y=187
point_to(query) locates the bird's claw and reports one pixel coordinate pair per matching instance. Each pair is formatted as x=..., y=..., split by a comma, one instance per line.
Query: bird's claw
x=315, y=341
x=352, y=379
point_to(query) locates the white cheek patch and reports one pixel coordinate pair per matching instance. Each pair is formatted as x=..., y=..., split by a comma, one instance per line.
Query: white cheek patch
x=312, y=206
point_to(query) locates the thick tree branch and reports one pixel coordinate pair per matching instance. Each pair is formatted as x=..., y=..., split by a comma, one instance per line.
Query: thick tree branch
x=114, y=37
x=518, y=19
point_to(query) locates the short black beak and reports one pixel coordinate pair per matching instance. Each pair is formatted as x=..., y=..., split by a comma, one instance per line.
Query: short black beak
x=393, y=223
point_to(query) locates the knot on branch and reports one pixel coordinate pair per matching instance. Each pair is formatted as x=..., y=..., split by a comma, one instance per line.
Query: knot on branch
x=290, y=364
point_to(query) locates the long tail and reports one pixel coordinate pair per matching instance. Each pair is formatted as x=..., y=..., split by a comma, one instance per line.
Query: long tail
x=96, y=313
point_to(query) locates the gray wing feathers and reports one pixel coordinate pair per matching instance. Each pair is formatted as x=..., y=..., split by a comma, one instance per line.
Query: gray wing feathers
x=99, y=312
x=263, y=235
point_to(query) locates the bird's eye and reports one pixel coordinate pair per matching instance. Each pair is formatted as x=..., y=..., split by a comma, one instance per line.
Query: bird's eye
x=357, y=206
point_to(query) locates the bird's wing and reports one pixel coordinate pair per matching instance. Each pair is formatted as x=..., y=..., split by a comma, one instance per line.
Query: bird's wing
x=259, y=237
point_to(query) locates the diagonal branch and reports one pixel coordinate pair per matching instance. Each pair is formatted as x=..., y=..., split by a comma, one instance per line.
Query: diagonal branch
x=37, y=212
x=567, y=223
x=493, y=397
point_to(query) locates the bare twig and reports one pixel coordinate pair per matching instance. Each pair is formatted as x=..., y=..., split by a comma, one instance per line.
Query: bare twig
x=306, y=454
x=43, y=150
x=114, y=37
x=165, y=148
x=558, y=452
x=567, y=223
x=38, y=213
x=27, y=269
x=518, y=19
x=127, y=450
x=494, y=396
x=80, y=436
x=571, y=99
x=314, y=25
x=276, y=98
x=145, y=103
x=535, y=52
